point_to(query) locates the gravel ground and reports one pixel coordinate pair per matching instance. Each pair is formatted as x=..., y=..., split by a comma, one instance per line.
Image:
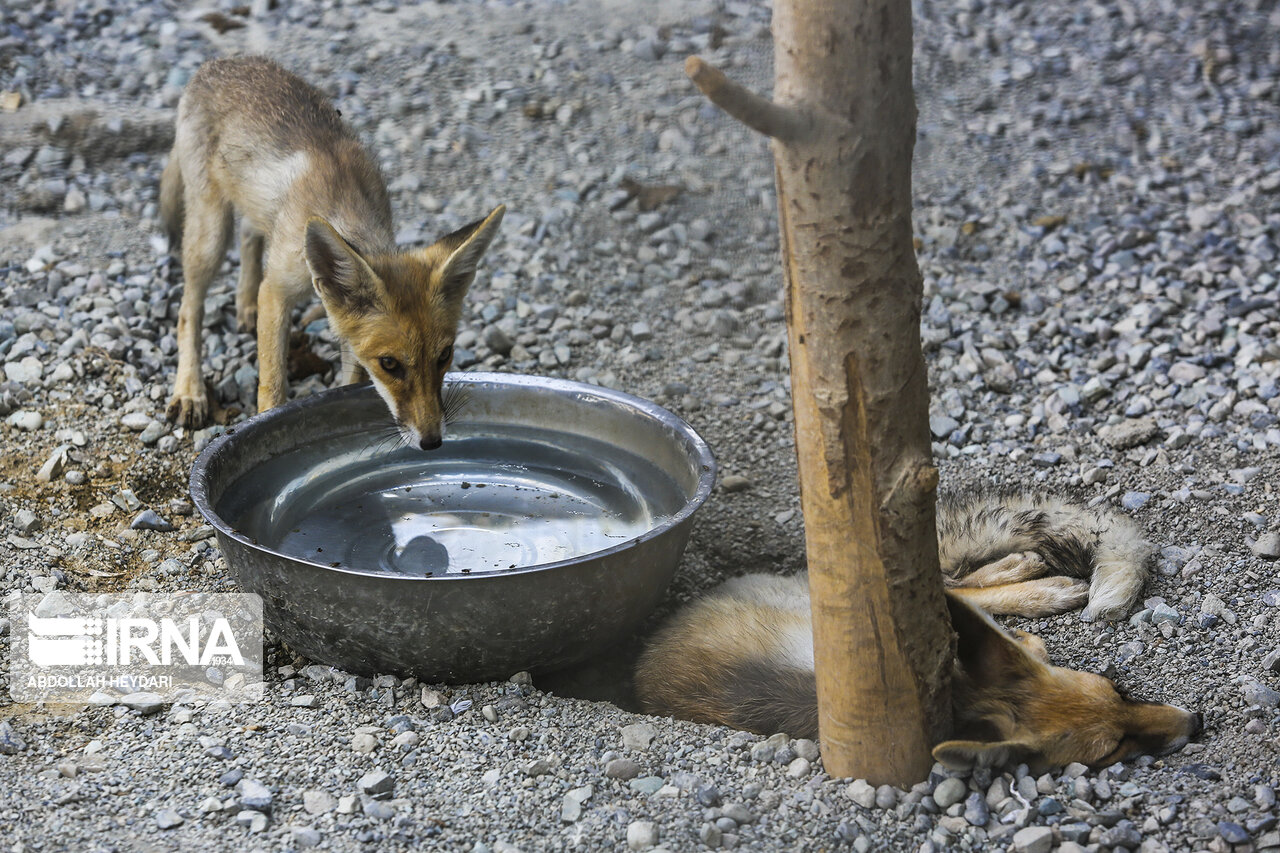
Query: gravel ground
x=1098, y=209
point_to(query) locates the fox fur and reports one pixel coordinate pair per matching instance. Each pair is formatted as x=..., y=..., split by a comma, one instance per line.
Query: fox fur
x=742, y=656
x=1026, y=554
x=255, y=140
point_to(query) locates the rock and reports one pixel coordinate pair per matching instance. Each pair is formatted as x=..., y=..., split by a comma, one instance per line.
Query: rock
x=642, y=834
x=1260, y=694
x=886, y=797
x=976, y=811
x=638, y=736
x=1268, y=545
x=1131, y=433
x=318, y=802
x=862, y=793
x=949, y=792
x=10, y=742
x=26, y=521
x=169, y=819
x=253, y=795
x=55, y=465
x=304, y=836
x=622, y=768
x=136, y=421
x=144, y=703
x=571, y=805
x=1033, y=839
x=376, y=783
x=149, y=519
x=734, y=483
x=364, y=743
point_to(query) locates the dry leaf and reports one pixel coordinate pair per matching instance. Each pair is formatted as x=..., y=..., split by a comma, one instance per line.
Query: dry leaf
x=1049, y=222
x=649, y=196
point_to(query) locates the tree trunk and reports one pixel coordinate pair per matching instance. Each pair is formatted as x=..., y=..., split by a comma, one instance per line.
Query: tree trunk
x=843, y=125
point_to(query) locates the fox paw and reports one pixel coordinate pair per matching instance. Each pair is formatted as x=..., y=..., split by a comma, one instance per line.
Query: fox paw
x=188, y=410
x=246, y=319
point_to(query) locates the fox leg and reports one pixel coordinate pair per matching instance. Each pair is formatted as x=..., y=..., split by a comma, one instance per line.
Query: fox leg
x=1038, y=597
x=207, y=229
x=1013, y=568
x=274, y=307
x=251, y=243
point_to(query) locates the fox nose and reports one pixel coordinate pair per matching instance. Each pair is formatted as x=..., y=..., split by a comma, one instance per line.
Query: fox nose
x=430, y=442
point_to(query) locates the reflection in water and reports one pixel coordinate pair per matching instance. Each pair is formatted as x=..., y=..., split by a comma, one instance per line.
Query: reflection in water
x=464, y=508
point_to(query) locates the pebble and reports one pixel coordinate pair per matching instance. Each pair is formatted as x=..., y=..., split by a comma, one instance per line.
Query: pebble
x=622, y=768
x=638, y=736
x=1033, y=839
x=318, y=802
x=149, y=519
x=169, y=819
x=1267, y=546
x=144, y=703
x=253, y=795
x=949, y=792
x=642, y=835
x=376, y=783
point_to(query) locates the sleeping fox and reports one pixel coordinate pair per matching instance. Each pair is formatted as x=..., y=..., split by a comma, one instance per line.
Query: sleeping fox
x=743, y=655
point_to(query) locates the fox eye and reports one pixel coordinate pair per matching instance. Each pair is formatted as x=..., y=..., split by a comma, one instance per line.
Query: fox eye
x=446, y=356
x=390, y=365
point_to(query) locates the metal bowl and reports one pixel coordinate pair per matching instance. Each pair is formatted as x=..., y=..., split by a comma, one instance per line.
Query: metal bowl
x=546, y=527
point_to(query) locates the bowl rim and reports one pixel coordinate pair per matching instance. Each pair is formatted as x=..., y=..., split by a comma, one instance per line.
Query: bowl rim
x=703, y=458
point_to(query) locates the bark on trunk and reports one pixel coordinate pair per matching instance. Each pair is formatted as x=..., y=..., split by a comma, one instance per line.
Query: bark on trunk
x=843, y=125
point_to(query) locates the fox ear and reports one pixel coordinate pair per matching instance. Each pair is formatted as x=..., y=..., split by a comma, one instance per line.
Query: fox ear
x=341, y=277
x=463, y=249
x=964, y=755
x=986, y=653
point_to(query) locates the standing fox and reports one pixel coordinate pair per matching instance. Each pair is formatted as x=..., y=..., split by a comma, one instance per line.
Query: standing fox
x=253, y=139
x=743, y=655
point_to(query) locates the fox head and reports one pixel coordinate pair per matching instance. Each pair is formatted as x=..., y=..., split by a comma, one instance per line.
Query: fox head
x=1013, y=706
x=399, y=314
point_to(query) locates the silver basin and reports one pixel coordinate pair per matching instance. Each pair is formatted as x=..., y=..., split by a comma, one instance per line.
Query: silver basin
x=545, y=528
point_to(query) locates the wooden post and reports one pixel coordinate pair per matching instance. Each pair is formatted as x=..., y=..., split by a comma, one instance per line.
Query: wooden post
x=843, y=127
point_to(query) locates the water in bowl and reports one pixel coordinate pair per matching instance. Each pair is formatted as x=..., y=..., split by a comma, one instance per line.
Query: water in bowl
x=490, y=499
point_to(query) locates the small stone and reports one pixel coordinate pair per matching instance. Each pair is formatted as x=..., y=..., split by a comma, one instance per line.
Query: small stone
x=738, y=813
x=647, y=784
x=734, y=483
x=861, y=792
x=1134, y=500
x=1232, y=833
x=10, y=742
x=976, y=811
x=376, y=783
x=318, y=802
x=136, y=421
x=638, y=736
x=622, y=768
x=254, y=821
x=799, y=768
x=364, y=743
x=1268, y=545
x=642, y=834
x=806, y=749
x=169, y=819
x=144, y=703
x=27, y=421
x=1033, y=839
x=949, y=792
x=886, y=797
x=1260, y=694
x=55, y=465
x=1131, y=433
x=149, y=519
x=304, y=836
x=537, y=767
x=253, y=795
